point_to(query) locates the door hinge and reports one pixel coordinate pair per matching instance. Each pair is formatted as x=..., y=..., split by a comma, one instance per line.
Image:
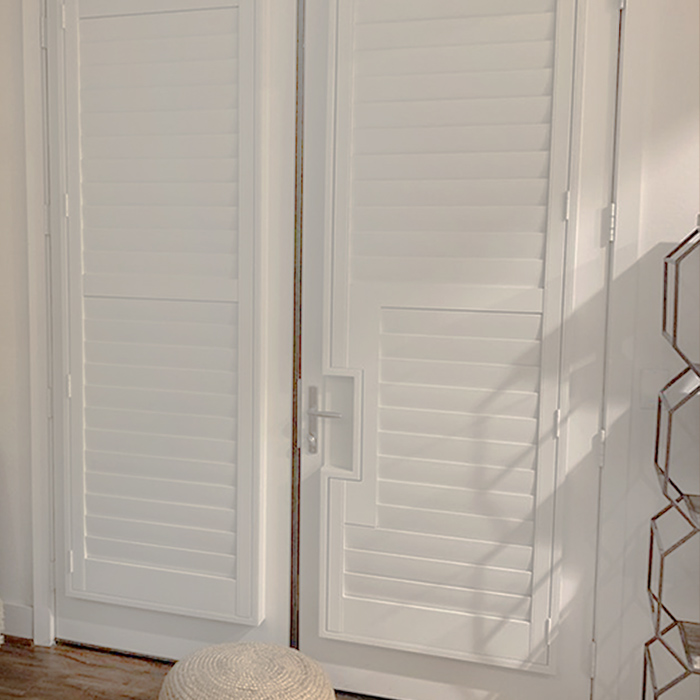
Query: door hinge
x=63, y=16
x=69, y=386
x=613, y=222
x=557, y=423
x=47, y=215
x=548, y=631
x=567, y=205
x=49, y=402
x=594, y=656
x=71, y=562
x=602, y=436
x=66, y=205
x=43, y=32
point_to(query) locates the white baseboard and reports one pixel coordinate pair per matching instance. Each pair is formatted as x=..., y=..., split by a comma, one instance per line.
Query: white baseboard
x=18, y=620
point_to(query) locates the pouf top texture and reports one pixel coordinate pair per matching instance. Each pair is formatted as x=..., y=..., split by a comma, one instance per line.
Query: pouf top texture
x=246, y=671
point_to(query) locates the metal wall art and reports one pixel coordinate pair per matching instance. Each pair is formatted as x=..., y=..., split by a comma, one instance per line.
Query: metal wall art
x=673, y=653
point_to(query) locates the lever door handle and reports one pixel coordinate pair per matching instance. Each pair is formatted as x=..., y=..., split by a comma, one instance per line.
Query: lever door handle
x=314, y=413
x=324, y=414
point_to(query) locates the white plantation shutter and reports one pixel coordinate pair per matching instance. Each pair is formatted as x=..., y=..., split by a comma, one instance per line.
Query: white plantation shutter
x=160, y=189
x=451, y=125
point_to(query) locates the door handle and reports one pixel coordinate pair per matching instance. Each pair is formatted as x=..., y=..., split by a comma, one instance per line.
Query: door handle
x=314, y=413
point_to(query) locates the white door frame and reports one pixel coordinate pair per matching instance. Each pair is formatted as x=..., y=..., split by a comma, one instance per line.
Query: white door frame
x=275, y=107
x=37, y=254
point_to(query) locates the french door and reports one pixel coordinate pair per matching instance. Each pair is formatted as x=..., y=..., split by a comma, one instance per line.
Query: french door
x=435, y=221
x=171, y=482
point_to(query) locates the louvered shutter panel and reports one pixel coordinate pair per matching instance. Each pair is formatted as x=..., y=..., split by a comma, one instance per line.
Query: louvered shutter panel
x=450, y=173
x=161, y=195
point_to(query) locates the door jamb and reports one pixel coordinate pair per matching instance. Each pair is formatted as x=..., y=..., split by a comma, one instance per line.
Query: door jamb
x=38, y=261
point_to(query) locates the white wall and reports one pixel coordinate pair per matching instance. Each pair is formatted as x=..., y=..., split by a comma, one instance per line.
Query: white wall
x=15, y=498
x=658, y=201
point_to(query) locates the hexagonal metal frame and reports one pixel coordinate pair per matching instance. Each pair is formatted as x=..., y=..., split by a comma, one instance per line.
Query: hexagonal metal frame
x=665, y=411
x=672, y=288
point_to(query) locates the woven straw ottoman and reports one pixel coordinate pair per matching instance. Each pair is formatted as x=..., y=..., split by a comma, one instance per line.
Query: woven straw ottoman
x=247, y=671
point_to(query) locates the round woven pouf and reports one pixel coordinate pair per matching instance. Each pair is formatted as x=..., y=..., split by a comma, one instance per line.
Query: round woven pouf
x=246, y=671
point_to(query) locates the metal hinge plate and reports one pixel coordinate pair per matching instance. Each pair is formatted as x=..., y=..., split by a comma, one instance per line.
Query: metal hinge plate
x=613, y=221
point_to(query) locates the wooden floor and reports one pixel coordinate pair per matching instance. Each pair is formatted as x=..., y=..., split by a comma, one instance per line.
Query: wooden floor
x=67, y=672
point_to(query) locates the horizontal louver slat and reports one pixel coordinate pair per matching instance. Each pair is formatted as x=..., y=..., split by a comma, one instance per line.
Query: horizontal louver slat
x=207, y=450
x=163, y=99
x=196, y=471
x=460, y=374
x=213, y=541
x=453, y=633
x=440, y=31
x=185, y=287
x=456, y=449
x=476, y=527
x=168, y=241
x=131, y=421
x=451, y=549
x=159, y=170
x=508, y=140
x=504, y=110
x=168, y=145
x=161, y=25
x=164, y=50
x=120, y=263
x=175, y=216
x=462, y=324
x=185, y=73
x=398, y=270
x=441, y=162
x=191, y=122
x=455, y=500
x=505, y=403
x=179, y=514
x=108, y=8
x=143, y=355
x=474, y=85
x=457, y=475
x=438, y=60
x=163, y=589
x=520, y=246
x=163, y=490
x=452, y=194
x=158, y=557
x=476, y=426
x=161, y=333
x=487, y=351
x=425, y=570
x=438, y=596
x=144, y=378
x=396, y=10
x=433, y=219
x=153, y=194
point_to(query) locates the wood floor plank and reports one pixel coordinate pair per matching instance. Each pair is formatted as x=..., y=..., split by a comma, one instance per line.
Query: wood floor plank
x=68, y=672
x=65, y=672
